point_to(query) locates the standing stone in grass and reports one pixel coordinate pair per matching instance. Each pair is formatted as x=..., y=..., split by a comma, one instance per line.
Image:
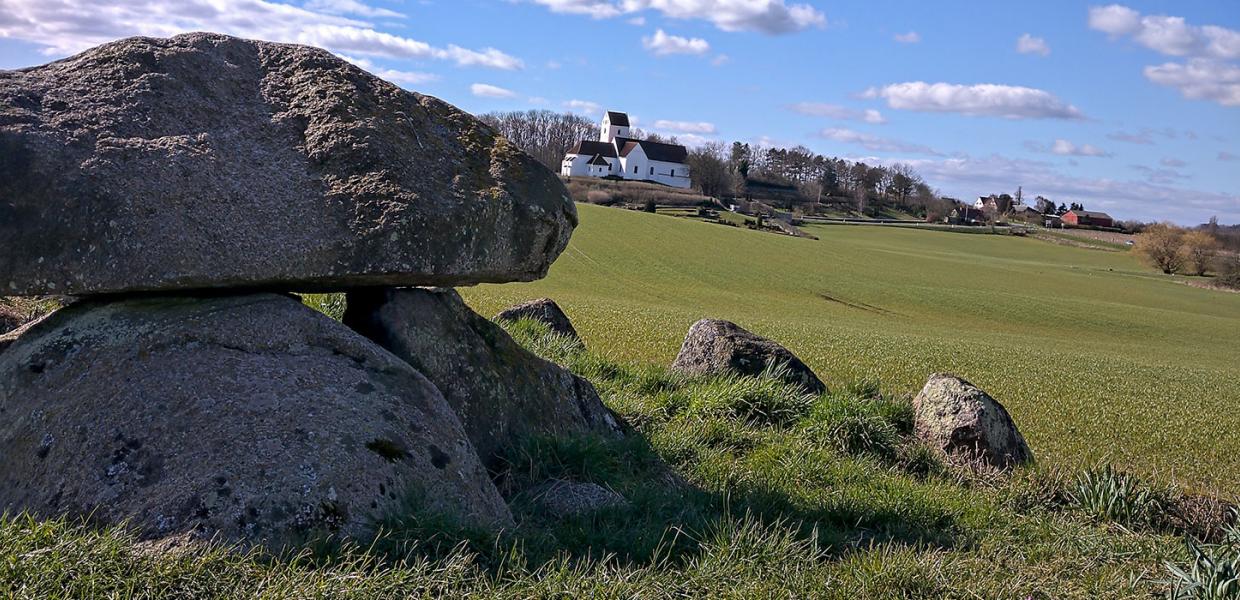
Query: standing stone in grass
x=208, y=161
x=502, y=392
x=959, y=420
x=543, y=310
x=713, y=346
x=249, y=416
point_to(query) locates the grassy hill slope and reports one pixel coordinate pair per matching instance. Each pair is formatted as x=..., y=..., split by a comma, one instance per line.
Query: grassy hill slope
x=1096, y=357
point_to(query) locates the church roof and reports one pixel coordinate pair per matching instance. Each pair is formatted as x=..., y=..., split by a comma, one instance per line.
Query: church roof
x=591, y=148
x=673, y=153
x=598, y=160
x=618, y=119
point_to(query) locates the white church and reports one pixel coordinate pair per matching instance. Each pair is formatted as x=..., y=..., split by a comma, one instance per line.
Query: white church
x=616, y=155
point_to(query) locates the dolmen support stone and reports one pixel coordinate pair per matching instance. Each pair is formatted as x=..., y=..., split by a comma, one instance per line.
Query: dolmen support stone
x=503, y=393
x=714, y=346
x=208, y=161
x=959, y=420
x=250, y=416
x=543, y=310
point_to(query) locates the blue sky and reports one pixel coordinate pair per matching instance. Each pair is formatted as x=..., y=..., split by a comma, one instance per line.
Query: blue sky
x=1132, y=108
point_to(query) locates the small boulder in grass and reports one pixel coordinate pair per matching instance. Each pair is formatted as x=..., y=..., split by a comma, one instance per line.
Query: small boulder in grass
x=714, y=346
x=564, y=499
x=543, y=310
x=959, y=420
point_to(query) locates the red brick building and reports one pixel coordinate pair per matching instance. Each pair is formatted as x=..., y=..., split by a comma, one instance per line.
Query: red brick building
x=1088, y=218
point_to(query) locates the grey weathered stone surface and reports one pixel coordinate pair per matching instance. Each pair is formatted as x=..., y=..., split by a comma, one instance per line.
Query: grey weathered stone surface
x=960, y=420
x=544, y=310
x=207, y=161
x=716, y=346
x=562, y=499
x=251, y=416
x=502, y=392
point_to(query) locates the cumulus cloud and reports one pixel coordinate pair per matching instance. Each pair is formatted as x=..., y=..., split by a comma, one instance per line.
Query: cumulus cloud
x=662, y=44
x=1064, y=147
x=486, y=90
x=911, y=37
x=1209, y=71
x=402, y=78
x=700, y=127
x=1028, y=44
x=351, y=7
x=63, y=27
x=835, y=111
x=584, y=107
x=872, y=142
x=1200, y=79
x=1007, y=101
x=766, y=16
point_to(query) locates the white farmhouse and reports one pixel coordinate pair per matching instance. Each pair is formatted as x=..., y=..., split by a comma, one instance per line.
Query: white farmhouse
x=617, y=155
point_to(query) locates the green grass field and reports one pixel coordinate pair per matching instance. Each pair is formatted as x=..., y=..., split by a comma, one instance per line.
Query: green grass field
x=1097, y=357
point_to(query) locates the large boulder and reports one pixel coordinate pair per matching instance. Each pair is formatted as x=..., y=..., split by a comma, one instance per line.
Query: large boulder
x=208, y=161
x=252, y=417
x=714, y=346
x=959, y=420
x=503, y=393
x=545, y=311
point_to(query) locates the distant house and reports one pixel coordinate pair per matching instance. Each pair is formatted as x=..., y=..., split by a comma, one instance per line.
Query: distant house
x=1088, y=218
x=617, y=155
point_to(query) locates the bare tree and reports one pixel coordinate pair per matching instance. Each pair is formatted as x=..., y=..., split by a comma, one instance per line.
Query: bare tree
x=1199, y=251
x=544, y=134
x=708, y=169
x=1161, y=246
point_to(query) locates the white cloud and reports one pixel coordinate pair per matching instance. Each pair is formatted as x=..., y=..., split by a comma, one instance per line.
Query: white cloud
x=1173, y=163
x=584, y=107
x=720, y=60
x=911, y=37
x=1063, y=147
x=685, y=126
x=835, y=111
x=1200, y=79
x=872, y=142
x=1227, y=156
x=662, y=44
x=63, y=27
x=1028, y=44
x=393, y=75
x=637, y=21
x=486, y=90
x=1161, y=176
x=766, y=16
x=1011, y=102
x=1205, y=75
x=351, y=7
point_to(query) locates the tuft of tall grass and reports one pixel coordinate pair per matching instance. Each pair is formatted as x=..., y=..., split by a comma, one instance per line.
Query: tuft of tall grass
x=1213, y=571
x=1108, y=494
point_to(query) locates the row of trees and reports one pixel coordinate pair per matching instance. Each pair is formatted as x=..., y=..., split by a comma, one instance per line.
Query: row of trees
x=544, y=134
x=721, y=170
